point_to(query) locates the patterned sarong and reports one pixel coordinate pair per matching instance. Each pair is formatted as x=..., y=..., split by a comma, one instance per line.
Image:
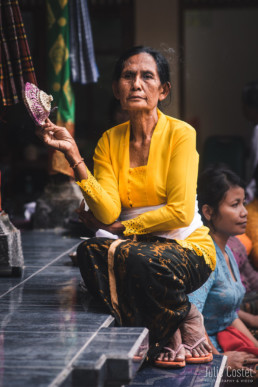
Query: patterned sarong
x=16, y=66
x=144, y=283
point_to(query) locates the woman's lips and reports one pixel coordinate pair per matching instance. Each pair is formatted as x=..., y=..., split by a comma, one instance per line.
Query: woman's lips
x=242, y=224
x=135, y=97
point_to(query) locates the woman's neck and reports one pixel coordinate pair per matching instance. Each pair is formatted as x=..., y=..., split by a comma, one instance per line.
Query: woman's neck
x=142, y=125
x=221, y=240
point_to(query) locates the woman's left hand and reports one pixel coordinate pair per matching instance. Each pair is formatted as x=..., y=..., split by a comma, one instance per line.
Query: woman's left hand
x=94, y=224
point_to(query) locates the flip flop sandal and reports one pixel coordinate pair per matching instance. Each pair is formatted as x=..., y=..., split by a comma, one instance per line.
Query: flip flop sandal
x=170, y=364
x=200, y=359
x=141, y=353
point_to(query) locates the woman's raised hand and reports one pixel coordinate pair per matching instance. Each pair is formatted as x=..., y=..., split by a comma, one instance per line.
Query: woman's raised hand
x=56, y=137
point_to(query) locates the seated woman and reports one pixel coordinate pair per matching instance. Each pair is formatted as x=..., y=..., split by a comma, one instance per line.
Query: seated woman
x=145, y=174
x=221, y=198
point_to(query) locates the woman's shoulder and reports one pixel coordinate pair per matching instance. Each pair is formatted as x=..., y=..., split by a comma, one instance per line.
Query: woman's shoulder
x=114, y=135
x=177, y=129
x=176, y=123
x=116, y=130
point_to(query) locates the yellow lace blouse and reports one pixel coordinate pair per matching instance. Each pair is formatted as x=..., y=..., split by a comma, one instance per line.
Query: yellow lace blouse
x=169, y=177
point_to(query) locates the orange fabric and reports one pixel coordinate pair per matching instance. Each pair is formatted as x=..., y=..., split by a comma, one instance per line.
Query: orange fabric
x=246, y=241
x=252, y=230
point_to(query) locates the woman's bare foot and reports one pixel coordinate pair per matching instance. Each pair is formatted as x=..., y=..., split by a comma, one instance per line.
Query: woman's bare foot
x=194, y=335
x=174, y=350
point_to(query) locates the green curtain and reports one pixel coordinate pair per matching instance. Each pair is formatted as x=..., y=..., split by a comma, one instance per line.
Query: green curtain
x=58, y=74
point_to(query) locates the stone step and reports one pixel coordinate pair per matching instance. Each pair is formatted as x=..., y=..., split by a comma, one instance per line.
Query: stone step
x=112, y=358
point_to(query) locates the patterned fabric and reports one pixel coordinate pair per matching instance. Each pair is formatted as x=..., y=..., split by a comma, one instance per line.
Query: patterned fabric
x=59, y=76
x=83, y=66
x=252, y=230
x=16, y=67
x=246, y=241
x=249, y=276
x=220, y=297
x=152, y=279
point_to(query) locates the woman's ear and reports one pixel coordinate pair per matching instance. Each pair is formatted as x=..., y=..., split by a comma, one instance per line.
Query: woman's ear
x=115, y=89
x=164, y=91
x=207, y=212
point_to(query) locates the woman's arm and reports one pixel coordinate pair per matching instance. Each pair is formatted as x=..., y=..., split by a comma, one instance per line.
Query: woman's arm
x=238, y=324
x=105, y=205
x=249, y=319
x=94, y=224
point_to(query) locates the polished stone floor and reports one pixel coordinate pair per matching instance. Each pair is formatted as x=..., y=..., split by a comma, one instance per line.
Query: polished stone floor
x=53, y=333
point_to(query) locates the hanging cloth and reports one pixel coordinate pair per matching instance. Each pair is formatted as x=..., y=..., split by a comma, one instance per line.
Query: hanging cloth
x=83, y=65
x=16, y=67
x=58, y=46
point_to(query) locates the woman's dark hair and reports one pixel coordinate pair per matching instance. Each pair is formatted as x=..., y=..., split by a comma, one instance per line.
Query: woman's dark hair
x=161, y=62
x=213, y=184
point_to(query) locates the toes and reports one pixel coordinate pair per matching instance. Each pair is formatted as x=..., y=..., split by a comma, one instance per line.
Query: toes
x=165, y=356
x=159, y=357
x=180, y=354
x=196, y=352
x=205, y=348
x=188, y=353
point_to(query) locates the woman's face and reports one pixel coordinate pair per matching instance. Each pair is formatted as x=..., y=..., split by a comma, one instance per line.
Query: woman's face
x=232, y=215
x=139, y=86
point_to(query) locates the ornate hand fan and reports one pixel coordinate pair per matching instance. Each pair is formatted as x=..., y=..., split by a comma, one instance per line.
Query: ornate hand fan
x=37, y=102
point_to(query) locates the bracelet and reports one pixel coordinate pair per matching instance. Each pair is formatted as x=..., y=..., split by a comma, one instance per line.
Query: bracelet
x=76, y=164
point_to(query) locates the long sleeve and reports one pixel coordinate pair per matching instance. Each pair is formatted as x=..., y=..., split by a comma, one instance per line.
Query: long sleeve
x=101, y=190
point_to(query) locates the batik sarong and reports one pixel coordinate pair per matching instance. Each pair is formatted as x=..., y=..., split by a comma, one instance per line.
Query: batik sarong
x=144, y=283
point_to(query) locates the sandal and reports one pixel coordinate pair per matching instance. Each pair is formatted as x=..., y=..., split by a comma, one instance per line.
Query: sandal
x=199, y=359
x=171, y=364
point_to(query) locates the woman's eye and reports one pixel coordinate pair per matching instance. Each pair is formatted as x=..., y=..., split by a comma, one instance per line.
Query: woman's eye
x=147, y=76
x=127, y=76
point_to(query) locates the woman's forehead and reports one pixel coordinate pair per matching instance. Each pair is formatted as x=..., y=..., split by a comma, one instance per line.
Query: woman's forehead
x=141, y=61
x=234, y=192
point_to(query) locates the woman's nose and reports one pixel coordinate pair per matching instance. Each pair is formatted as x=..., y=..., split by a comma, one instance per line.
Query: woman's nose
x=243, y=211
x=136, y=83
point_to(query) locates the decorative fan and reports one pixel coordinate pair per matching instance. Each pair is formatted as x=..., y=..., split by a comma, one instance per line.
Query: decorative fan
x=37, y=102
